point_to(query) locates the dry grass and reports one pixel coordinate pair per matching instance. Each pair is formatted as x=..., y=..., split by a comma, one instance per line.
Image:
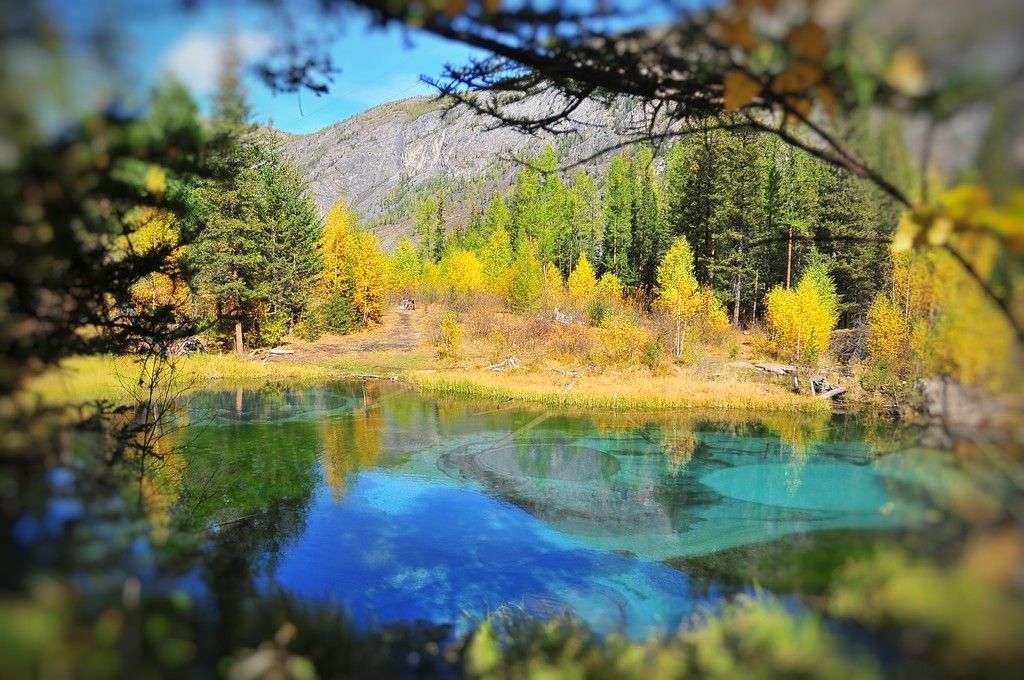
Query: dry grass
x=84, y=379
x=616, y=390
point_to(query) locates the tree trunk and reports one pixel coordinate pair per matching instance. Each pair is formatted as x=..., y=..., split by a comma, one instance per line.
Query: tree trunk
x=239, y=347
x=737, y=290
x=789, y=258
x=753, y=312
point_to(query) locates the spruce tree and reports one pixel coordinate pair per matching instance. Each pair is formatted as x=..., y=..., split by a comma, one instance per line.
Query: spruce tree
x=648, y=240
x=618, y=210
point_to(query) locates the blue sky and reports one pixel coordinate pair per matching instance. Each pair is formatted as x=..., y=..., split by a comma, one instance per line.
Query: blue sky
x=157, y=37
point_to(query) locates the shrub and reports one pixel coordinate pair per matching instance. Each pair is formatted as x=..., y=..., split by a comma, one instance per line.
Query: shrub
x=338, y=314
x=270, y=329
x=599, y=312
x=620, y=340
x=582, y=283
x=449, y=336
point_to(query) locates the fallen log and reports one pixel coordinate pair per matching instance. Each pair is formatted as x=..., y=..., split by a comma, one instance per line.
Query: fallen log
x=510, y=362
x=832, y=393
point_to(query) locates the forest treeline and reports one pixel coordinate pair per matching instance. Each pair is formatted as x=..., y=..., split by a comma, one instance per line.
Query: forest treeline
x=658, y=253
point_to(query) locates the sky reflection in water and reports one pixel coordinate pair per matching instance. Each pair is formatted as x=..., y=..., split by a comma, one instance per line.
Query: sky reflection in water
x=409, y=508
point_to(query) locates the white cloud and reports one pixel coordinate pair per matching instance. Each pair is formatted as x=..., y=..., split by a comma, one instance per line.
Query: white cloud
x=196, y=59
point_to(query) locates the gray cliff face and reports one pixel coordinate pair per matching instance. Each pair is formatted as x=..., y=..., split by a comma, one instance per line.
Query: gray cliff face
x=381, y=160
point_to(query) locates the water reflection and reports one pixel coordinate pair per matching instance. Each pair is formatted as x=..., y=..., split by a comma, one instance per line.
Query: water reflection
x=401, y=507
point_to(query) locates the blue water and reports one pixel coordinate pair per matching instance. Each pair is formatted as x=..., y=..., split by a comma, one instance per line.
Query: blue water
x=401, y=549
x=403, y=508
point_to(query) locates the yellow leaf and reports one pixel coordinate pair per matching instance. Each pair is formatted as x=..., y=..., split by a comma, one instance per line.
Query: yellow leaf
x=156, y=180
x=492, y=6
x=735, y=30
x=907, y=72
x=455, y=7
x=907, y=232
x=809, y=40
x=828, y=100
x=939, y=231
x=740, y=90
x=963, y=201
x=801, y=106
x=797, y=78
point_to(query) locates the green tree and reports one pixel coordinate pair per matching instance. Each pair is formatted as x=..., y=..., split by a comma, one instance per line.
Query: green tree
x=527, y=279
x=497, y=258
x=618, y=206
x=648, y=239
x=582, y=227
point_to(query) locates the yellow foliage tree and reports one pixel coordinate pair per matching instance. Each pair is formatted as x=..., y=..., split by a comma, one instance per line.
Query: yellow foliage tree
x=404, y=268
x=368, y=274
x=336, y=245
x=353, y=265
x=888, y=336
x=678, y=292
x=554, y=286
x=933, y=319
x=462, y=273
x=582, y=282
x=609, y=288
x=801, y=319
x=157, y=229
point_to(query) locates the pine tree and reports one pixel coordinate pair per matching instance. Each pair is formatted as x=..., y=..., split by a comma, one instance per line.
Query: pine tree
x=648, y=240
x=228, y=260
x=739, y=217
x=618, y=204
x=497, y=215
x=426, y=219
x=694, y=193
x=581, y=229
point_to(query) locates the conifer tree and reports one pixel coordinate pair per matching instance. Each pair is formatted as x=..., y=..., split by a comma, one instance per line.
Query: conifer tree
x=527, y=279
x=582, y=227
x=618, y=205
x=228, y=259
x=497, y=215
x=648, y=240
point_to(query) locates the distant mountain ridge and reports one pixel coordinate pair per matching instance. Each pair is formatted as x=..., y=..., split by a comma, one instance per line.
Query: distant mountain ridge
x=380, y=161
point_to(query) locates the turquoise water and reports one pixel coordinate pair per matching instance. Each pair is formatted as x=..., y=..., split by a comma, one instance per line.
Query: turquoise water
x=404, y=508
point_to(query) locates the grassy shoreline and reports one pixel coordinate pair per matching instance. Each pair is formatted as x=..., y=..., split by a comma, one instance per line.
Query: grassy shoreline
x=84, y=379
x=614, y=392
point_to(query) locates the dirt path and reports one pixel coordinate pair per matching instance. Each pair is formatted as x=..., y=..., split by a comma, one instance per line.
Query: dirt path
x=401, y=330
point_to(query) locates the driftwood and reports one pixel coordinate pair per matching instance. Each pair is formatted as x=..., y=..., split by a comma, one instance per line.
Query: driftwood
x=189, y=345
x=270, y=353
x=509, y=363
x=832, y=393
x=564, y=319
x=819, y=385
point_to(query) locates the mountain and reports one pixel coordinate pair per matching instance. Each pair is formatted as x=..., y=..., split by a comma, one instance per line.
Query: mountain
x=382, y=160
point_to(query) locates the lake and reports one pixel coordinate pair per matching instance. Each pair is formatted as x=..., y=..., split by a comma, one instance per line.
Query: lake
x=407, y=509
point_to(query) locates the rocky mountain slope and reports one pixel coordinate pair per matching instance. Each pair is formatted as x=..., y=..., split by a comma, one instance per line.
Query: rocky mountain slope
x=382, y=160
